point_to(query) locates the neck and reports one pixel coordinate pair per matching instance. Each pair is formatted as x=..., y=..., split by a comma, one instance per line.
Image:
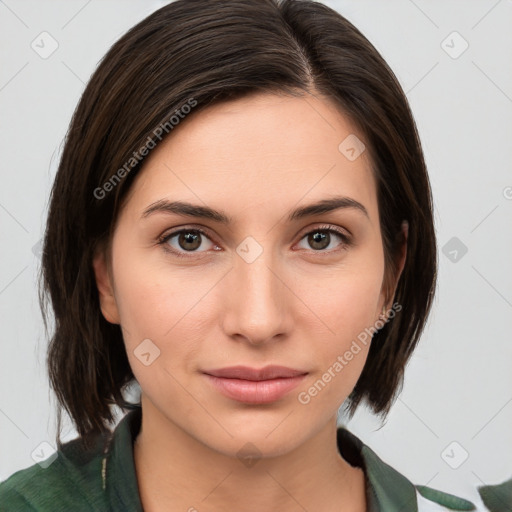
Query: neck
x=176, y=471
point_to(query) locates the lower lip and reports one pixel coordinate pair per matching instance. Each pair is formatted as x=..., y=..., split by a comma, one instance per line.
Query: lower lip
x=255, y=392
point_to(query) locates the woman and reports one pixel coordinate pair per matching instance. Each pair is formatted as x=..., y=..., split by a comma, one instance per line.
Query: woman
x=241, y=223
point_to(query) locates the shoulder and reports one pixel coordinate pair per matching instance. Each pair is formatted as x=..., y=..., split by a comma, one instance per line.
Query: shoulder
x=388, y=489
x=69, y=480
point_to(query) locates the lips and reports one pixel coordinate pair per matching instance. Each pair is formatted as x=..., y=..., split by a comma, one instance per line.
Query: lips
x=253, y=385
x=247, y=373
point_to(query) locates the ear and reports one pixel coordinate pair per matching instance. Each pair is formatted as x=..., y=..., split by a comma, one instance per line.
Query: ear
x=103, y=277
x=399, y=264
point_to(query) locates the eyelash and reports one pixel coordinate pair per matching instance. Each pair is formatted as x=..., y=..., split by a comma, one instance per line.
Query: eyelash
x=346, y=240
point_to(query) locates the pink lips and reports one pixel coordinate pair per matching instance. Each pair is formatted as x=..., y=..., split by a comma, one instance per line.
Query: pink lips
x=255, y=386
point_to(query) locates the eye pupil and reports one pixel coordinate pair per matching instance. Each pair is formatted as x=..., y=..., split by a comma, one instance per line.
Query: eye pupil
x=188, y=237
x=318, y=238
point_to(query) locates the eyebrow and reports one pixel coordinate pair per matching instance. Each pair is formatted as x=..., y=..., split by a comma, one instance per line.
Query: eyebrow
x=205, y=212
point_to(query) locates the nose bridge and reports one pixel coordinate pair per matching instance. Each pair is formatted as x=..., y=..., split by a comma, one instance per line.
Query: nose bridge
x=259, y=303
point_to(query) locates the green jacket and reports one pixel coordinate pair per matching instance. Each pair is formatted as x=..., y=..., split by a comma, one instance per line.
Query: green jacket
x=103, y=479
x=497, y=498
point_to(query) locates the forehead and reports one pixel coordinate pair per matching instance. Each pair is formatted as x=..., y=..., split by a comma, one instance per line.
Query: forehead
x=258, y=150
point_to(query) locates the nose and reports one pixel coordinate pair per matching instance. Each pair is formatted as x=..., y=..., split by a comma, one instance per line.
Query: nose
x=259, y=300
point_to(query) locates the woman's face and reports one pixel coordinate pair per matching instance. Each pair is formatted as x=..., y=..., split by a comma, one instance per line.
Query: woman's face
x=261, y=286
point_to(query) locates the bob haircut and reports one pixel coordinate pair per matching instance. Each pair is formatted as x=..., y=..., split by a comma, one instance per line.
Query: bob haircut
x=201, y=52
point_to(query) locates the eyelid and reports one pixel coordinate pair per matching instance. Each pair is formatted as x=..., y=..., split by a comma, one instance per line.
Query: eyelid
x=344, y=233
x=175, y=231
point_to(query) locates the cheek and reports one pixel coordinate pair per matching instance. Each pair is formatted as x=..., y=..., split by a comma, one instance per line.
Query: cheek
x=149, y=297
x=344, y=302
x=342, y=345
x=342, y=313
x=168, y=308
x=160, y=335
x=144, y=305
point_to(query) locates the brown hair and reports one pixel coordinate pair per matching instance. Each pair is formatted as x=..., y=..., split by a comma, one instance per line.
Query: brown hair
x=212, y=51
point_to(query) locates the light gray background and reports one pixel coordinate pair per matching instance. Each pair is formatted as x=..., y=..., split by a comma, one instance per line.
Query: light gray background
x=458, y=386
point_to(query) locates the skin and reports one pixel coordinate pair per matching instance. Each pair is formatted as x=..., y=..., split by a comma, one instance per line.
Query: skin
x=257, y=159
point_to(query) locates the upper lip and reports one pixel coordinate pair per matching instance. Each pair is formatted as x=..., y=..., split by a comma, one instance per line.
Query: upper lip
x=247, y=373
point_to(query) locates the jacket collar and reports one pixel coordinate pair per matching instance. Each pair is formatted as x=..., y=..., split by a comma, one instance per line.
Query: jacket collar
x=497, y=498
x=386, y=488
x=118, y=468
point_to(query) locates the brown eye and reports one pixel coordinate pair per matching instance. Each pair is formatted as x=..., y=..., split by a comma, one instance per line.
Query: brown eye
x=324, y=239
x=189, y=240
x=186, y=241
x=319, y=240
